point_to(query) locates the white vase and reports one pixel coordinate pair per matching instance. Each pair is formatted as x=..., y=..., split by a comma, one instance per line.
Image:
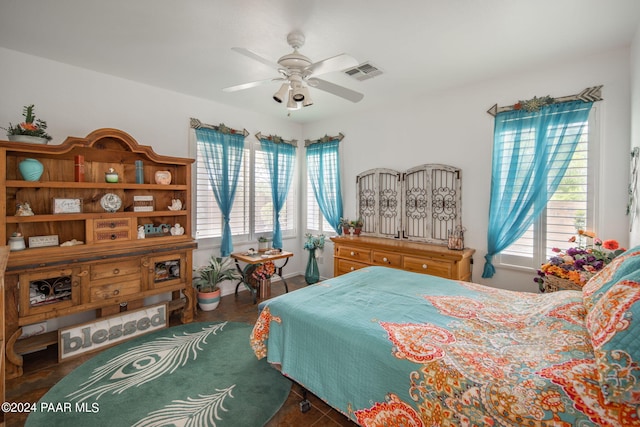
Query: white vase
x=27, y=138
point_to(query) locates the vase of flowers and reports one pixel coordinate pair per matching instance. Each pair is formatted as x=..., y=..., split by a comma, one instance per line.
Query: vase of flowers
x=31, y=130
x=572, y=268
x=312, y=244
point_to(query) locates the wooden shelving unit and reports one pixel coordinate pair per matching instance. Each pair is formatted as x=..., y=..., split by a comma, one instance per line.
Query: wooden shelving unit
x=114, y=264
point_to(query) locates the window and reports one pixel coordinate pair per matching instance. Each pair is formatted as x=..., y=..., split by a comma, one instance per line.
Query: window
x=571, y=207
x=316, y=222
x=252, y=213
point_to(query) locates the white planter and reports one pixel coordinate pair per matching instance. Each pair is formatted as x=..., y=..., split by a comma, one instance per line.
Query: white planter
x=27, y=138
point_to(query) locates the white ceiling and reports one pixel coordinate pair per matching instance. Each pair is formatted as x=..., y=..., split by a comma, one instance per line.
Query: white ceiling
x=420, y=45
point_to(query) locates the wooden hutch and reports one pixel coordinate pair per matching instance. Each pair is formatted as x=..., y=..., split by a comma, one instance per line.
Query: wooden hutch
x=128, y=244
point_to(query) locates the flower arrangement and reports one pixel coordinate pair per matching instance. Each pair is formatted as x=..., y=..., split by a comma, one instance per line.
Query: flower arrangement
x=578, y=264
x=262, y=271
x=313, y=242
x=30, y=127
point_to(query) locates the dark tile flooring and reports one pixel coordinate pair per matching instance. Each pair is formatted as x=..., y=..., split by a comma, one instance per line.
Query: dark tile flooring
x=42, y=371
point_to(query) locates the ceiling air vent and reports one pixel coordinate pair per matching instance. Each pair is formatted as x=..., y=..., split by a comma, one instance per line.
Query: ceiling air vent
x=363, y=71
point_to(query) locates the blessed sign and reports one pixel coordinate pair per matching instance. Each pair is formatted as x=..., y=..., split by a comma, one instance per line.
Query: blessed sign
x=107, y=331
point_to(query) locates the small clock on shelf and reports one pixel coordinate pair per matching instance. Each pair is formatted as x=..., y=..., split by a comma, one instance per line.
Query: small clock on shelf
x=111, y=202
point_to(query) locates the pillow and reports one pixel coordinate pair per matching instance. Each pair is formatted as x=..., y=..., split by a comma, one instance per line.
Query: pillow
x=613, y=322
x=626, y=263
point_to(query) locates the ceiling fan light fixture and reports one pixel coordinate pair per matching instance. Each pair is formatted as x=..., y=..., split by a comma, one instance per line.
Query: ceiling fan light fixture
x=307, y=98
x=298, y=94
x=292, y=104
x=282, y=93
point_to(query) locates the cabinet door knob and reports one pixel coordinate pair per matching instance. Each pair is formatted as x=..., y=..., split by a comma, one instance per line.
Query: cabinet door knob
x=352, y=253
x=112, y=225
x=116, y=292
x=385, y=259
x=424, y=266
x=114, y=237
x=353, y=268
x=116, y=271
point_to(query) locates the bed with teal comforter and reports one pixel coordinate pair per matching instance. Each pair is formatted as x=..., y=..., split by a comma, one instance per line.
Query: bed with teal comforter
x=389, y=347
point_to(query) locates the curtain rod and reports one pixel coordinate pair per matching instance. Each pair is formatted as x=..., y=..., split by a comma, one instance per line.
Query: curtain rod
x=277, y=139
x=325, y=138
x=197, y=124
x=590, y=94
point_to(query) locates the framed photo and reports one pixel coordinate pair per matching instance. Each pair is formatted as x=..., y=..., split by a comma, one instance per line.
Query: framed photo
x=61, y=206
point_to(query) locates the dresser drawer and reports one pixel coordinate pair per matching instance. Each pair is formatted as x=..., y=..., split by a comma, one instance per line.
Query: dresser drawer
x=346, y=266
x=429, y=266
x=108, y=289
x=355, y=254
x=115, y=270
x=387, y=259
x=108, y=230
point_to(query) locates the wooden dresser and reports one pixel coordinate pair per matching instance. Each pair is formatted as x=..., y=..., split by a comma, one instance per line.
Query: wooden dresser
x=352, y=253
x=127, y=253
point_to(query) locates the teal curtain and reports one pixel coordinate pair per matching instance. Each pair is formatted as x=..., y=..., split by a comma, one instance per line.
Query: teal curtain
x=223, y=160
x=281, y=159
x=323, y=171
x=531, y=152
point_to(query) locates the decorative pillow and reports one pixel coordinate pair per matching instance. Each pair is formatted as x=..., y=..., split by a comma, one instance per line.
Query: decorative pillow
x=621, y=266
x=614, y=325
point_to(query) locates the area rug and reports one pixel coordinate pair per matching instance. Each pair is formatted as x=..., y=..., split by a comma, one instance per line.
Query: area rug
x=199, y=374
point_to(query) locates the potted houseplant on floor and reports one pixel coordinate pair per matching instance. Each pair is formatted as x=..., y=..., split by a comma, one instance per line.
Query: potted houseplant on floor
x=211, y=275
x=31, y=130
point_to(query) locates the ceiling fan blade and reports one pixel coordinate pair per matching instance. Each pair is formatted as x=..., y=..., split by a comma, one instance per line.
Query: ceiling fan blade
x=335, y=89
x=335, y=63
x=255, y=56
x=250, y=85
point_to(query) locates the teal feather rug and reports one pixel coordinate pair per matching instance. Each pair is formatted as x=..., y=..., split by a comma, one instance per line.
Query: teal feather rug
x=199, y=374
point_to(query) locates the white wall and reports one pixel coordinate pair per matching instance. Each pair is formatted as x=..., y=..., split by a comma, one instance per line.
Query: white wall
x=635, y=120
x=453, y=127
x=75, y=101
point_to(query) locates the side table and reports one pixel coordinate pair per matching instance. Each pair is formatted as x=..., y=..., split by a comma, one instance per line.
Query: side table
x=260, y=258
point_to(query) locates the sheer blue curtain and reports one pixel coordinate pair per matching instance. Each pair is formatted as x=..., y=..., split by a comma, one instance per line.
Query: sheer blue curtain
x=323, y=169
x=281, y=159
x=531, y=152
x=223, y=159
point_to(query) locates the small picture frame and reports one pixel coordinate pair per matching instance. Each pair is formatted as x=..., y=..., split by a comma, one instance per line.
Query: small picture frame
x=43, y=241
x=62, y=206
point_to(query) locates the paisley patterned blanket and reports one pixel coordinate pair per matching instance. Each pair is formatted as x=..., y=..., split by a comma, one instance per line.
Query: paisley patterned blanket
x=388, y=347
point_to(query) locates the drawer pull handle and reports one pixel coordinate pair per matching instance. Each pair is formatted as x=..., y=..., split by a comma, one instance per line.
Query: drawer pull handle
x=385, y=259
x=114, y=237
x=352, y=253
x=116, y=271
x=353, y=268
x=424, y=266
x=112, y=225
x=116, y=292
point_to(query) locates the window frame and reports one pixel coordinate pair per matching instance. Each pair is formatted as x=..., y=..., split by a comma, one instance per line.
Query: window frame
x=252, y=145
x=540, y=256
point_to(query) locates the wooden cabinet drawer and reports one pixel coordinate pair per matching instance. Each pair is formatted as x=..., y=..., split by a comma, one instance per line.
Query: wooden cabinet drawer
x=108, y=230
x=428, y=266
x=387, y=259
x=346, y=266
x=355, y=254
x=108, y=289
x=114, y=270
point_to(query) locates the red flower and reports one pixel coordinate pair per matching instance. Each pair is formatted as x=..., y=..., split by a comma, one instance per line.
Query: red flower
x=611, y=245
x=572, y=239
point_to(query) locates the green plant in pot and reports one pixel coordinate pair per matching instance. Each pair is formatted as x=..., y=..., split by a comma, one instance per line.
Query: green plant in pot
x=31, y=130
x=263, y=244
x=218, y=270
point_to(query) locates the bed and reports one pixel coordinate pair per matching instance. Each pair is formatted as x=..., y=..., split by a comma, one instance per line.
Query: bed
x=390, y=347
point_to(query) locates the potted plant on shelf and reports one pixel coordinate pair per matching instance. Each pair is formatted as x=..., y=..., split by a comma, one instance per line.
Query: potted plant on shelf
x=211, y=275
x=348, y=225
x=31, y=130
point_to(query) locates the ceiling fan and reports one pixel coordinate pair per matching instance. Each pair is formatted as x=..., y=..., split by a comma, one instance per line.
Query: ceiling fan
x=298, y=73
